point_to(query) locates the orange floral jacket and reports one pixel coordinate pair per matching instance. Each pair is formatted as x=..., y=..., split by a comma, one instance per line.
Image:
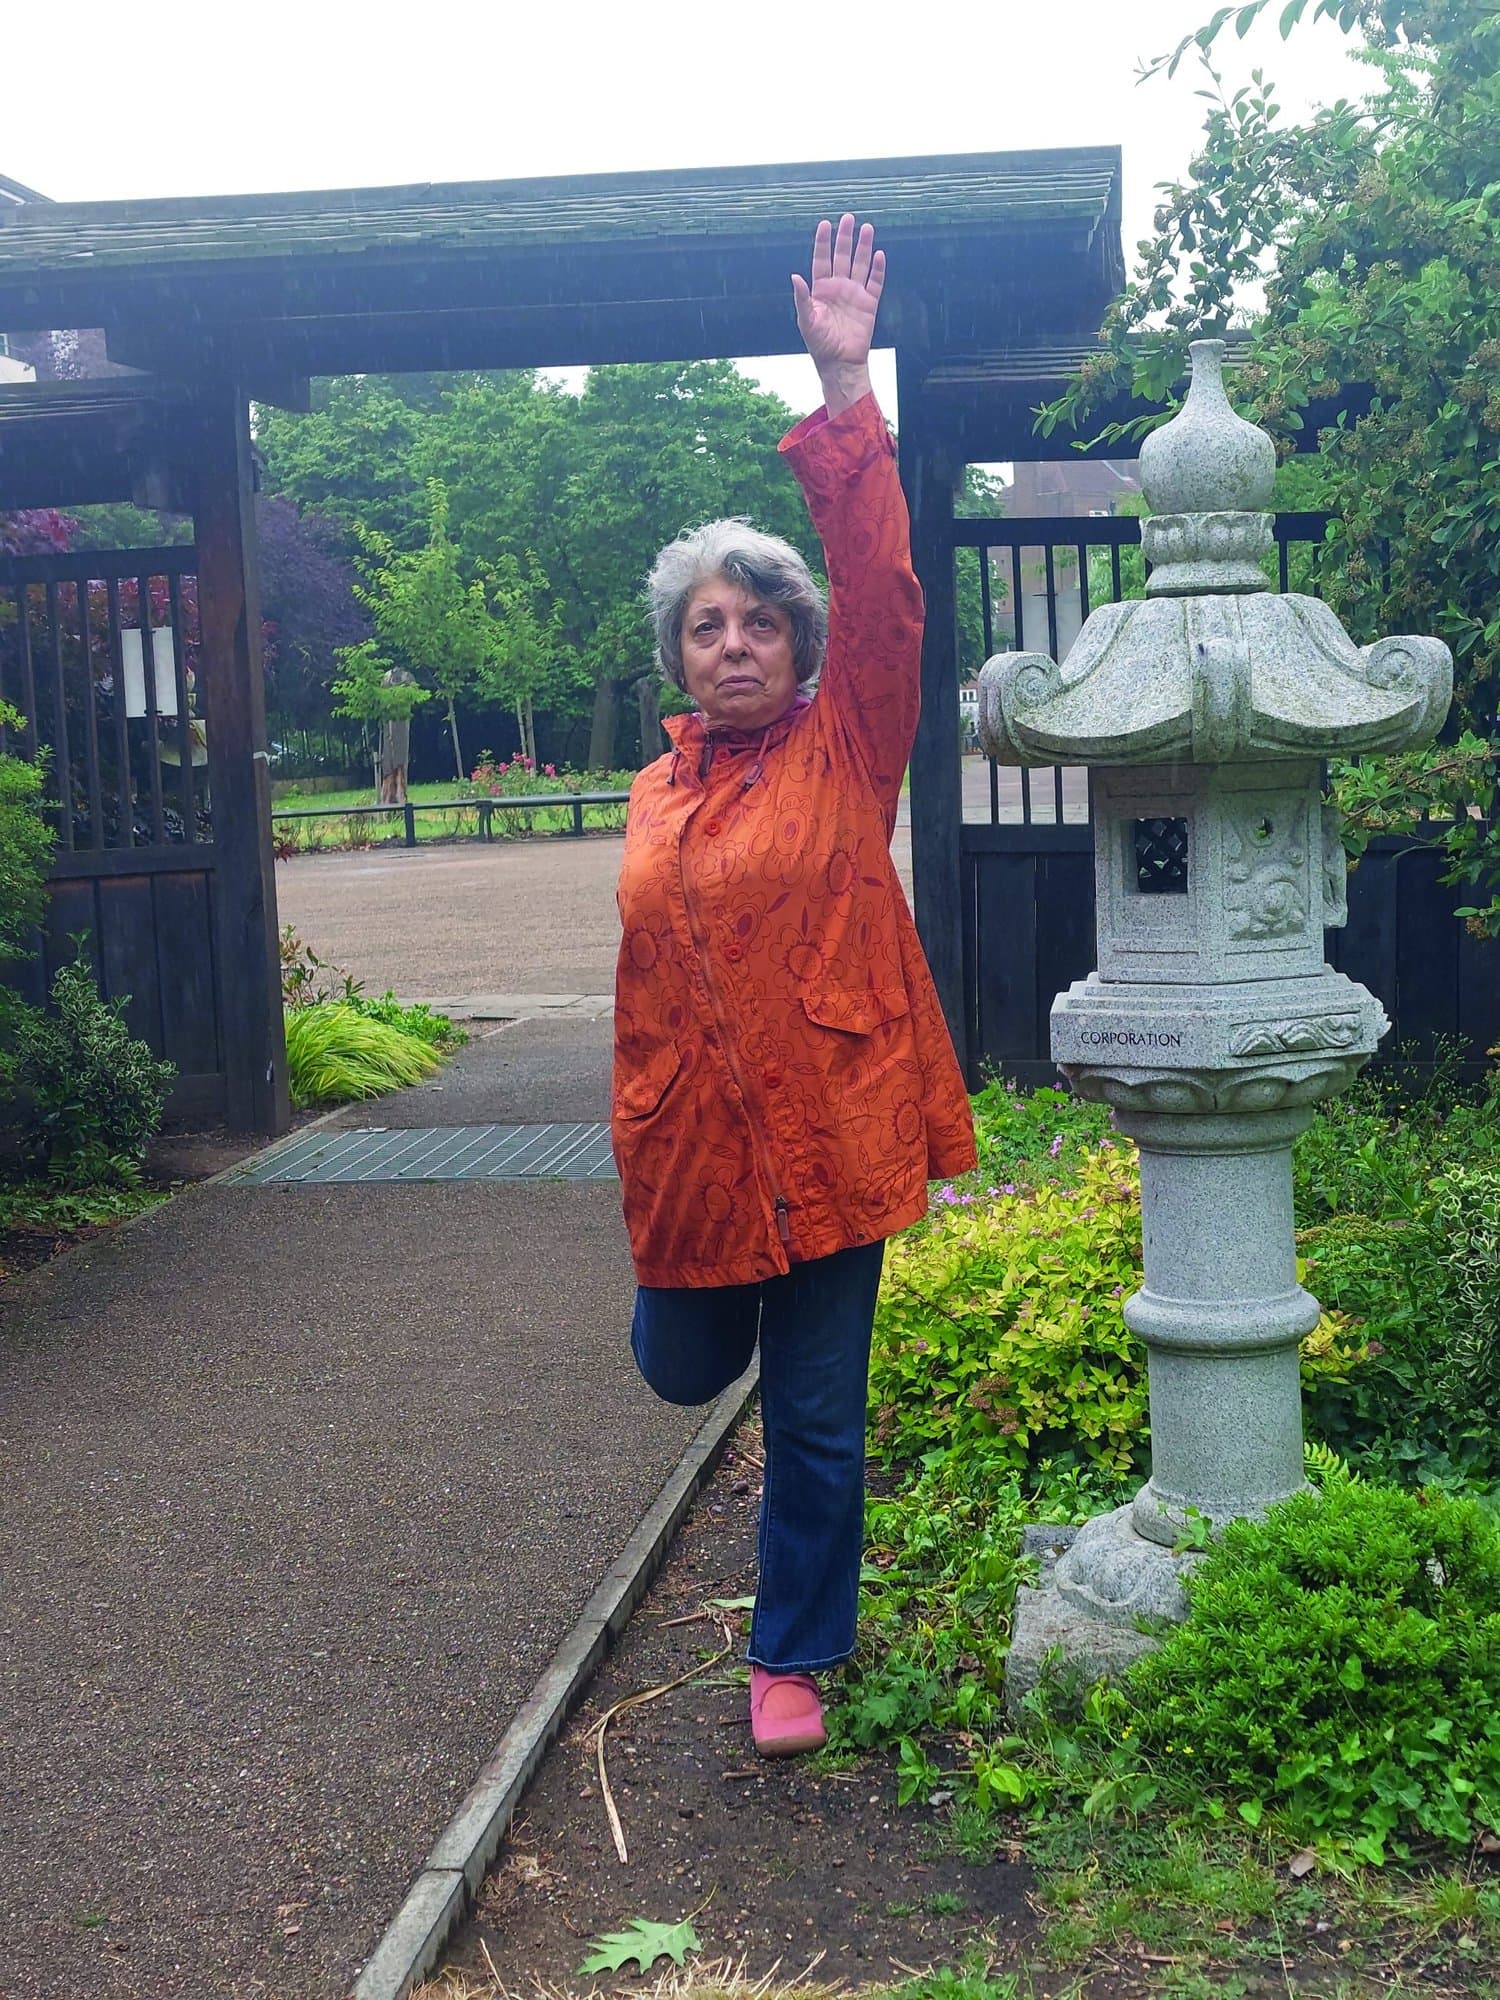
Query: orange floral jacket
x=784, y=1081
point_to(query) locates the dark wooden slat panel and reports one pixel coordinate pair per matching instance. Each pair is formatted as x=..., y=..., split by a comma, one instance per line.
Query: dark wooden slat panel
x=127, y=948
x=1006, y=944
x=1065, y=932
x=72, y=907
x=168, y=859
x=1427, y=935
x=1478, y=987
x=189, y=1006
x=1367, y=945
x=195, y=1100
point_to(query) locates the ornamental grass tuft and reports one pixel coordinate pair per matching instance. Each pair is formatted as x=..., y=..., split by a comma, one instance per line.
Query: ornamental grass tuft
x=337, y=1055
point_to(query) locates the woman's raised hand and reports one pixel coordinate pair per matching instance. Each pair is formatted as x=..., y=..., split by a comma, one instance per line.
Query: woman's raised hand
x=836, y=312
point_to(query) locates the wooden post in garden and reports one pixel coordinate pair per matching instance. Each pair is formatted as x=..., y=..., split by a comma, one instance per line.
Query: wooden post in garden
x=928, y=474
x=231, y=680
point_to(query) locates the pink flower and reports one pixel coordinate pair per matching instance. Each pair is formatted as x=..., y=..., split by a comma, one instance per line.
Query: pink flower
x=550, y=769
x=1056, y=1147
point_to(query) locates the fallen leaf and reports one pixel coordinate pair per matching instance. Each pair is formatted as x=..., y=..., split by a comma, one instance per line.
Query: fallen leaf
x=1302, y=1863
x=642, y=1944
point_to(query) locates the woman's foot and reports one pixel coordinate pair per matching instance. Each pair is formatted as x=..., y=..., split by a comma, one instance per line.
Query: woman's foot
x=786, y=1714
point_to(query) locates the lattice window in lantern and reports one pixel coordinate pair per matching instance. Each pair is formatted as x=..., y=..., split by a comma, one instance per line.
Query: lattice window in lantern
x=1161, y=857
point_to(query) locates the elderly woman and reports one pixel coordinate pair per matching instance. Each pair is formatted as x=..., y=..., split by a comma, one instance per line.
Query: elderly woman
x=784, y=1083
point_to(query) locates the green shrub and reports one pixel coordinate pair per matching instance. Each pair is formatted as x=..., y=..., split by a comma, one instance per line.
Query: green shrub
x=418, y=1020
x=25, y=852
x=1340, y=1666
x=336, y=1055
x=1002, y=1324
x=1466, y=1212
x=92, y=1092
x=1026, y=1137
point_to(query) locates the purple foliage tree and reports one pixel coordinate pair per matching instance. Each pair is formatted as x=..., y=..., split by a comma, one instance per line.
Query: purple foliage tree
x=309, y=608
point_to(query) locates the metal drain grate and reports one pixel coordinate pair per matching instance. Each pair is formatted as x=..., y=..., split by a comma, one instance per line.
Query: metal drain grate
x=439, y=1153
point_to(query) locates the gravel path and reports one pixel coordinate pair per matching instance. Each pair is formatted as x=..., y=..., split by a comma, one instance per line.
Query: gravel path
x=250, y=1450
x=524, y=916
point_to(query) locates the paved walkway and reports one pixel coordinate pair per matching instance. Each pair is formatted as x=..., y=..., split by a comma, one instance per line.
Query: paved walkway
x=299, y=1489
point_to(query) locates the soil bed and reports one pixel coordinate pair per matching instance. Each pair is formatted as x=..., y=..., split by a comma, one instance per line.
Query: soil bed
x=782, y=1861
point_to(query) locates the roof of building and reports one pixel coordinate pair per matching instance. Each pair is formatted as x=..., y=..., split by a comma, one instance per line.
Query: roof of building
x=593, y=268
x=16, y=192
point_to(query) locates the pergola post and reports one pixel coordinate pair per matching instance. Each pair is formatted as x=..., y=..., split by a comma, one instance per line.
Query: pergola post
x=232, y=689
x=928, y=474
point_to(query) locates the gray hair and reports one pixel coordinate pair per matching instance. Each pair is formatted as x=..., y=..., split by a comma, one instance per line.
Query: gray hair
x=764, y=565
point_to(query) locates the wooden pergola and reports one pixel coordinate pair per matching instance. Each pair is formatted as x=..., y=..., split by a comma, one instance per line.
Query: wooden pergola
x=1002, y=264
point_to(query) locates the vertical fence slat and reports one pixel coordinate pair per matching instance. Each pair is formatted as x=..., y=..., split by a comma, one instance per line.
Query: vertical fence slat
x=1114, y=570
x=124, y=782
x=90, y=715
x=153, y=719
x=1051, y=573
x=1082, y=553
x=184, y=727
x=62, y=765
x=27, y=702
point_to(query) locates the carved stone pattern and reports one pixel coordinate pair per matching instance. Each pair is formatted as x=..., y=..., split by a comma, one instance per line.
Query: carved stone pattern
x=1278, y=1038
x=1335, y=871
x=1265, y=893
x=1272, y=1087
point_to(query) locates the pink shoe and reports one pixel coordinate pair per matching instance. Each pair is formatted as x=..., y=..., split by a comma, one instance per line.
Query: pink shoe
x=786, y=1714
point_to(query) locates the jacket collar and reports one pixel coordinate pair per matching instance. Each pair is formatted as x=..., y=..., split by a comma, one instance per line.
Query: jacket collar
x=689, y=733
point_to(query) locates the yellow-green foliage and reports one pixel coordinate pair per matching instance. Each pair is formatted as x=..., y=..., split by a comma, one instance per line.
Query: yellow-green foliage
x=1002, y=1321
x=336, y=1055
x=1001, y=1324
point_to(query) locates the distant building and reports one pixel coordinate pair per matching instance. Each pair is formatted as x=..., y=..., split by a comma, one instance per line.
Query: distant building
x=1070, y=487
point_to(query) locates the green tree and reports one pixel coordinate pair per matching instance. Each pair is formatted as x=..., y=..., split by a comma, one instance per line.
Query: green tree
x=526, y=659
x=590, y=487
x=1375, y=230
x=428, y=616
x=350, y=458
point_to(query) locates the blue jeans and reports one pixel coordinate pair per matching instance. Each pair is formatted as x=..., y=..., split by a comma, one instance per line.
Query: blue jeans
x=814, y=1331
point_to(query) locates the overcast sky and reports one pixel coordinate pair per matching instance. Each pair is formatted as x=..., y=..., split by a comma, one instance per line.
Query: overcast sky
x=234, y=96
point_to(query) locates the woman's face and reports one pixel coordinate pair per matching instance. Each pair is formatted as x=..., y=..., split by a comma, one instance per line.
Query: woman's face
x=737, y=656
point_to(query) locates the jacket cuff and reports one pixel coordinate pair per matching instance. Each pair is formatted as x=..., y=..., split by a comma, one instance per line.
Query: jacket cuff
x=855, y=435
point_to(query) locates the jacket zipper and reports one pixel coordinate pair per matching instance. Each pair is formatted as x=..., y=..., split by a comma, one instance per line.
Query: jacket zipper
x=780, y=1206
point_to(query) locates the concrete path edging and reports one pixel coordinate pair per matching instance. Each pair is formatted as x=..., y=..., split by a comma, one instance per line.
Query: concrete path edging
x=454, y=1869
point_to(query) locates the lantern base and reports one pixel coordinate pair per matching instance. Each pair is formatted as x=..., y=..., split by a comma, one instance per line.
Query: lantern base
x=1098, y=1584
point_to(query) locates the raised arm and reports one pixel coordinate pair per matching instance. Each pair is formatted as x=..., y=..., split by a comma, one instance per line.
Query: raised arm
x=846, y=464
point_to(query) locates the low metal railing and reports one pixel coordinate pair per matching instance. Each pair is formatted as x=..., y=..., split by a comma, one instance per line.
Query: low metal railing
x=485, y=808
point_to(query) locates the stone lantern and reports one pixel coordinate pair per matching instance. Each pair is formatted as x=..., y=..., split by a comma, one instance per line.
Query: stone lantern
x=1212, y=1024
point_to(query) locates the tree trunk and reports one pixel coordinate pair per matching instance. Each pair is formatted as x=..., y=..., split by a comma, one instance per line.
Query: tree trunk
x=648, y=698
x=602, y=730
x=395, y=748
x=458, y=755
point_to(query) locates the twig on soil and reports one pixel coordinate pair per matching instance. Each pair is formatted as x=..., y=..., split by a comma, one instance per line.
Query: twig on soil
x=635, y=1701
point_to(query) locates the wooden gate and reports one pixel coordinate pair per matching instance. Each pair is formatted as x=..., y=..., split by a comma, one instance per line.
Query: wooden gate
x=100, y=653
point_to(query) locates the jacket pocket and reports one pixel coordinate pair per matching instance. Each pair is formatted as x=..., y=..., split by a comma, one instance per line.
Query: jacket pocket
x=859, y=1011
x=640, y=1089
